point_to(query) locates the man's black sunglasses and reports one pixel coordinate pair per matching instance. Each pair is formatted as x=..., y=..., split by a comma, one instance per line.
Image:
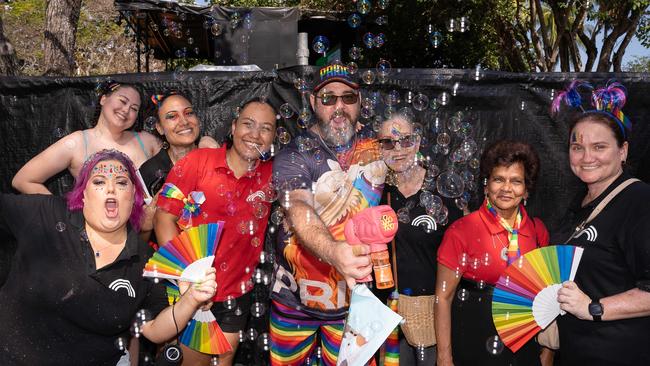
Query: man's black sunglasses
x=330, y=99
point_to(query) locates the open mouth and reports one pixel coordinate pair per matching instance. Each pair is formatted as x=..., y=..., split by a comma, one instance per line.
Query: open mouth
x=111, y=208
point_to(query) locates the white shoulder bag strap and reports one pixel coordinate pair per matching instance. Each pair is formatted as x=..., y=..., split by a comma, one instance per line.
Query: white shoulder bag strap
x=601, y=206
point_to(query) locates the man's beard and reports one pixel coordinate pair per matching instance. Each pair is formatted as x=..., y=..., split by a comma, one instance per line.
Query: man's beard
x=337, y=136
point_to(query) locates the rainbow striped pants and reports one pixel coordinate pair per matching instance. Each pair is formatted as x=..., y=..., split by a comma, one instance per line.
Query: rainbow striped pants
x=295, y=335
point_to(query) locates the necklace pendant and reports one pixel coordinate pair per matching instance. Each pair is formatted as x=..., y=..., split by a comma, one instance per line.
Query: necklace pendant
x=504, y=254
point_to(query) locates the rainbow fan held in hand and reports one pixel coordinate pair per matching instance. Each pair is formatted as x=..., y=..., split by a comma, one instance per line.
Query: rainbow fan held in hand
x=525, y=299
x=187, y=256
x=202, y=333
x=192, y=203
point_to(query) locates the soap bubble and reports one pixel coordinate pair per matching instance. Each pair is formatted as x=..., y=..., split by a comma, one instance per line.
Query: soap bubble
x=468, y=147
x=353, y=67
x=443, y=139
x=379, y=40
x=493, y=345
x=216, y=29
x=320, y=44
x=450, y=184
x=354, y=20
x=383, y=4
x=383, y=67
x=355, y=52
x=368, y=77
x=230, y=302
x=462, y=294
x=403, y=215
x=381, y=20
x=435, y=39
x=60, y=226
x=247, y=227
x=392, y=97
x=282, y=135
x=420, y=102
x=300, y=84
x=364, y=6
x=264, y=342
x=286, y=111
x=258, y=309
x=369, y=40
x=121, y=343
x=444, y=98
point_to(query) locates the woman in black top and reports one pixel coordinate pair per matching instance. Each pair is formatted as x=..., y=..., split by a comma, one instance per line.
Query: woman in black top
x=419, y=234
x=608, y=304
x=76, y=282
x=179, y=127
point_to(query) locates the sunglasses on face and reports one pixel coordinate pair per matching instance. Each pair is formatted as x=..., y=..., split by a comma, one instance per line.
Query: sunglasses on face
x=404, y=141
x=330, y=99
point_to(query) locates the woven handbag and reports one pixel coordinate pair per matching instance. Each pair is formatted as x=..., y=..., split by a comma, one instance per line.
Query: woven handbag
x=417, y=311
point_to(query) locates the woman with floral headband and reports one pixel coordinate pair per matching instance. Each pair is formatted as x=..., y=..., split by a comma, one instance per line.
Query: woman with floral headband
x=119, y=107
x=76, y=283
x=179, y=128
x=608, y=303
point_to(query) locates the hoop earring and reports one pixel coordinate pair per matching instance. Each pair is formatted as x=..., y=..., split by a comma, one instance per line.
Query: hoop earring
x=165, y=145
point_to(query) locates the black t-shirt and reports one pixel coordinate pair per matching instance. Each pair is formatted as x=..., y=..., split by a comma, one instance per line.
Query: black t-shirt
x=154, y=171
x=616, y=259
x=56, y=307
x=416, y=243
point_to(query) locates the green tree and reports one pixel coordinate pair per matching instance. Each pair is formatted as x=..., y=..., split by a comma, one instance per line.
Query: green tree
x=638, y=64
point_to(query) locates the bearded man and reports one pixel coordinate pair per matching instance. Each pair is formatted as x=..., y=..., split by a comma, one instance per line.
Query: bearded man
x=324, y=176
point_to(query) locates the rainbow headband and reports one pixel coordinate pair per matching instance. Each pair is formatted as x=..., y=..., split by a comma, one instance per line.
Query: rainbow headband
x=608, y=101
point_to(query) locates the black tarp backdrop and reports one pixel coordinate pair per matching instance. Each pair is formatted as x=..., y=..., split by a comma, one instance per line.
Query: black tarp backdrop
x=37, y=111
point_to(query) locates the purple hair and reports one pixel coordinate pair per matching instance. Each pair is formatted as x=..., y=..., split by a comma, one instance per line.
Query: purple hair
x=75, y=197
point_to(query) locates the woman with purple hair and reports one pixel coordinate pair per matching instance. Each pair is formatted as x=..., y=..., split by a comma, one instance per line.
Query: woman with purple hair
x=76, y=282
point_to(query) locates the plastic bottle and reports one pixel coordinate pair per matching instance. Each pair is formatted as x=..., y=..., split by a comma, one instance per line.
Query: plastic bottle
x=382, y=269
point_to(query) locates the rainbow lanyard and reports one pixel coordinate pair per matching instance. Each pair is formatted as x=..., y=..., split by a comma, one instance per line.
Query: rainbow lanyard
x=513, y=238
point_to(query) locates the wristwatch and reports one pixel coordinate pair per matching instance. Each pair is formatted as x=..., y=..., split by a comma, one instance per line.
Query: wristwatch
x=596, y=310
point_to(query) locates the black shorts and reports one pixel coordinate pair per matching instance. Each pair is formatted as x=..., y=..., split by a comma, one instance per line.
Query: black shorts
x=233, y=320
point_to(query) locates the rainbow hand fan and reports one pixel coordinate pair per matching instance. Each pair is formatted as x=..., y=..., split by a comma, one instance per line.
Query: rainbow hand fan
x=202, y=333
x=187, y=256
x=525, y=299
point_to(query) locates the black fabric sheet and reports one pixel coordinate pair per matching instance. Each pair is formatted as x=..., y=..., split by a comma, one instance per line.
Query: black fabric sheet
x=36, y=111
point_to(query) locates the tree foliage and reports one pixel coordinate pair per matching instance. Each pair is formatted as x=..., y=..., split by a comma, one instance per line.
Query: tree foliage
x=638, y=64
x=509, y=35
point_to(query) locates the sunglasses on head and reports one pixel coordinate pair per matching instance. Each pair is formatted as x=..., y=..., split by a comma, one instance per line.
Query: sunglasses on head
x=330, y=99
x=404, y=141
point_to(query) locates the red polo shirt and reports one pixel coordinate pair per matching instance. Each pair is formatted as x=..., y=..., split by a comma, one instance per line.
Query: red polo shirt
x=473, y=245
x=229, y=199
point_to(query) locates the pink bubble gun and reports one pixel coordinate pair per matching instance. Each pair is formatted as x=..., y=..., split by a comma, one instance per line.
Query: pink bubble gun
x=375, y=227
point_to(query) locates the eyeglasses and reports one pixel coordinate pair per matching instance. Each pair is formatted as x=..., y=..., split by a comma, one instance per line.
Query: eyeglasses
x=330, y=99
x=404, y=141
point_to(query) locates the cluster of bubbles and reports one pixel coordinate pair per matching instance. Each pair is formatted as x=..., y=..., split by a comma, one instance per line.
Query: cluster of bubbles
x=460, y=25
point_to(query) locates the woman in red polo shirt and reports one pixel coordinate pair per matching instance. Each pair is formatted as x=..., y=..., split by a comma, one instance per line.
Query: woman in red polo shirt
x=474, y=252
x=236, y=187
